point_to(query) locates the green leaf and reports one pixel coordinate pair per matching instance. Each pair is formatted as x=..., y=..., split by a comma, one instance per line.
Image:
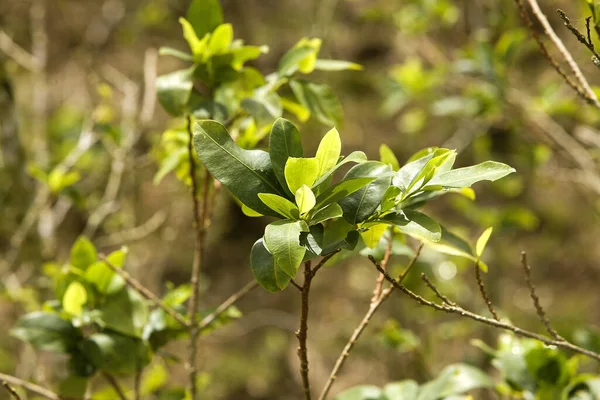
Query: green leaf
x=300, y=171
x=339, y=234
x=320, y=100
x=409, y=171
x=264, y=107
x=328, y=212
x=299, y=111
x=204, y=15
x=170, y=163
x=221, y=39
x=264, y=269
x=104, y=278
x=442, y=159
x=465, y=177
x=284, y=142
x=416, y=224
x=246, y=53
x=404, y=390
x=361, y=204
x=281, y=205
x=177, y=296
x=46, y=331
x=337, y=65
x=388, y=201
x=155, y=377
x=355, y=157
x=305, y=199
x=197, y=45
x=115, y=353
x=373, y=234
x=125, y=312
x=387, y=156
x=482, y=241
x=174, y=89
x=365, y=392
x=74, y=298
x=83, y=253
x=339, y=191
x=246, y=173
x=282, y=239
x=169, y=51
x=292, y=59
x=453, y=380
x=328, y=152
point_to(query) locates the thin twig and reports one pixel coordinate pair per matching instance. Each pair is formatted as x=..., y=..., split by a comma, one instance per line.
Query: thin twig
x=384, y=263
x=373, y=307
x=33, y=388
x=209, y=319
x=200, y=221
x=115, y=385
x=136, y=233
x=145, y=292
x=302, y=333
x=536, y=300
x=11, y=390
x=483, y=292
x=435, y=290
x=17, y=53
x=323, y=261
x=137, y=383
x=149, y=96
x=580, y=37
x=456, y=309
x=293, y=282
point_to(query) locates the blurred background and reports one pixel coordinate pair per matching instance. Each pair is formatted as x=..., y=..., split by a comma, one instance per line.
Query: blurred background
x=460, y=74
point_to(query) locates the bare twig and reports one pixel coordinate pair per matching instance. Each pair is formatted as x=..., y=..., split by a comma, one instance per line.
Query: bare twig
x=39, y=84
x=33, y=388
x=302, y=333
x=115, y=385
x=11, y=390
x=323, y=261
x=145, y=292
x=149, y=97
x=435, y=290
x=384, y=263
x=17, y=53
x=293, y=282
x=536, y=300
x=587, y=42
x=456, y=309
x=134, y=234
x=137, y=383
x=209, y=319
x=483, y=292
x=373, y=307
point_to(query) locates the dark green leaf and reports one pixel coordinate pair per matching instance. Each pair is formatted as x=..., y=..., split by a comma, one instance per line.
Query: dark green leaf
x=246, y=173
x=174, y=90
x=115, y=353
x=205, y=16
x=264, y=269
x=355, y=157
x=125, y=312
x=361, y=204
x=284, y=143
x=416, y=224
x=46, y=331
x=328, y=212
x=341, y=190
x=263, y=107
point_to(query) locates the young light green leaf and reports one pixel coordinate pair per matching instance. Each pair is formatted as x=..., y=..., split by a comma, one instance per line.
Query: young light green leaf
x=204, y=16
x=373, y=234
x=103, y=277
x=83, y=253
x=403, y=390
x=307, y=64
x=305, y=199
x=170, y=163
x=281, y=205
x=250, y=212
x=282, y=239
x=246, y=173
x=169, y=51
x=284, y=142
x=74, y=298
x=221, y=39
x=174, y=89
x=337, y=65
x=430, y=169
x=328, y=152
x=264, y=269
x=300, y=171
x=355, y=157
x=299, y=111
x=319, y=99
x=246, y=53
x=387, y=156
x=388, y=201
x=290, y=61
x=197, y=45
x=359, y=205
x=363, y=392
x=482, y=241
x=409, y=171
x=465, y=177
x=339, y=191
x=414, y=223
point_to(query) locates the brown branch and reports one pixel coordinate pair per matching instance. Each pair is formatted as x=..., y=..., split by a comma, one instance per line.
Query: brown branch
x=587, y=94
x=33, y=388
x=374, y=306
x=384, y=262
x=435, y=290
x=209, y=319
x=324, y=260
x=536, y=300
x=145, y=292
x=483, y=292
x=456, y=309
x=302, y=333
x=11, y=390
x=200, y=220
x=115, y=385
x=293, y=282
